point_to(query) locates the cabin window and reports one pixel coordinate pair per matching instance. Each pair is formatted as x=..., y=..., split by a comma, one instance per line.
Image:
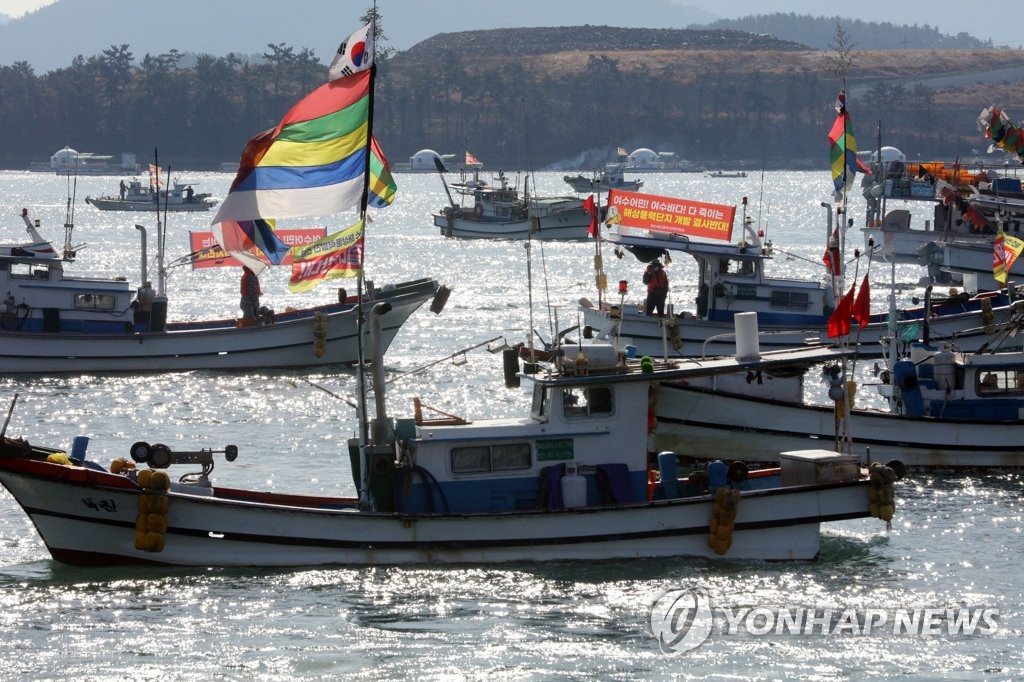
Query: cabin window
x=584, y=402
x=94, y=301
x=743, y=268
x=540, y=403
x=1000, y=381
x=29, y=271
x=478, y=459
x=792, y=300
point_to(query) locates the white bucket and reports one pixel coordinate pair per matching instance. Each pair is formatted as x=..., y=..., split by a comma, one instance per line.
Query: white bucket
x=747, y=347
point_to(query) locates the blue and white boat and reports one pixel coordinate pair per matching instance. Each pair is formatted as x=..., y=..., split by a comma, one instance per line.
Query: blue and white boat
x=52, y=321
x=571, y=480
x=947, y=409
x=733, y=278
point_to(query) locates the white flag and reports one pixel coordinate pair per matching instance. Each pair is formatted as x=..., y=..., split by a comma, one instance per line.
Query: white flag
x=354, y=55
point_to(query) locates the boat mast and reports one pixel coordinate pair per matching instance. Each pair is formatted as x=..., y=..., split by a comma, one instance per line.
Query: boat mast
x=367, y=440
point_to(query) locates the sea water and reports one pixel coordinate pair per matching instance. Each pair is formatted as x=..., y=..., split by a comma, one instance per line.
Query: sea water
x=953, y=550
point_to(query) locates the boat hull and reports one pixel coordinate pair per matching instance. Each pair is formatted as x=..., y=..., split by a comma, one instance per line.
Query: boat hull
x=704, y=424
x=289, y=342
x=88, y=517
x=114, y=204
x=693, y=337
x=564, y=225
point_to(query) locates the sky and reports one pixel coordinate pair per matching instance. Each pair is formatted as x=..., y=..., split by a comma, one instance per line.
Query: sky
x=948, y=17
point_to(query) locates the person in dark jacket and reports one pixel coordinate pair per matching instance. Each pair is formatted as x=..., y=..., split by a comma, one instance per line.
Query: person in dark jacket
x=656, y=280
x=250, y=301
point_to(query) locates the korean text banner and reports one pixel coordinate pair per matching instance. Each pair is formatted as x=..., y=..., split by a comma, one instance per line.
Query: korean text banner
x=209, y=254
x=664, y=214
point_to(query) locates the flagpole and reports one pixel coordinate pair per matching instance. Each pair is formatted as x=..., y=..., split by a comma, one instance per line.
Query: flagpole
x=364, y=434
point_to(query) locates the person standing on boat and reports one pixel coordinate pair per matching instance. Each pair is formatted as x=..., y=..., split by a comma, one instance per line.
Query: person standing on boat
x=656, y=280
x=124, y=188
x=250, y=302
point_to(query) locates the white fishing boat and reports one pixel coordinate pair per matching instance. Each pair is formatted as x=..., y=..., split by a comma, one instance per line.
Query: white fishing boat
x=611, y=177
x=946, y=409
x=501, y=211
x=733, y=278
x=570, y=481
x=52, y=321
x=138, y=197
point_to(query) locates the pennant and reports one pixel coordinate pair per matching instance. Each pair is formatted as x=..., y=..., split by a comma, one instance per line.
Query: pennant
x=591, y=209
x=862, y=305
x=155, y=176
x=472, y=160
x=843, y=148
x=354, y=55
x=839, y=320
x=382, y=182
x=335, y=256
x=1005, y=251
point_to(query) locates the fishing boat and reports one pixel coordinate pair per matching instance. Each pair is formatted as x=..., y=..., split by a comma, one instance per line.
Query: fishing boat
x=570, y=481
x=501, y=211
x=733, y=278
x=947, y=409
x=52, y=321
x=727, y=174
x=138, y=197
x=611, y=177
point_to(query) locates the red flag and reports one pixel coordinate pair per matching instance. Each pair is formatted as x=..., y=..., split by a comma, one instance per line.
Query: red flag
x=839, y=320
x=591, y=209
x=832, y=258
x=862, y=306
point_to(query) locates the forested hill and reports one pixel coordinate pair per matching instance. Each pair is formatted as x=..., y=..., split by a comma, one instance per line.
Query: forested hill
x=819, y=32
x=536, y=41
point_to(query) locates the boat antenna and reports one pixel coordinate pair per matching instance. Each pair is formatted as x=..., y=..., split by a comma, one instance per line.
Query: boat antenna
x=69, y=213
x=161, y=275
x=529, y=299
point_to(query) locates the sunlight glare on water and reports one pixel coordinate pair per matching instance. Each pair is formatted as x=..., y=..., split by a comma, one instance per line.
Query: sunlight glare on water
x=955, y=539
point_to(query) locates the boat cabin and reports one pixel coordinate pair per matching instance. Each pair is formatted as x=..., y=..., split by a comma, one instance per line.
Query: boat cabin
x=732, y=278
x=941, y=382
x=38, y=297
x=593, y=426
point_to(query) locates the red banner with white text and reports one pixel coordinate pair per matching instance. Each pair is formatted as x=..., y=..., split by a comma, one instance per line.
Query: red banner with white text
x=207, y=253
x=665, y=214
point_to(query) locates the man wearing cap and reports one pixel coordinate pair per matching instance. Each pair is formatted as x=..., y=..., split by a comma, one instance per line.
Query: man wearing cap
x=656, y=280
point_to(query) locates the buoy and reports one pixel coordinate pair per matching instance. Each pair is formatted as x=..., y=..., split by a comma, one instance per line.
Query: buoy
x=723, y=518
x=319, y=334
x=881, y=492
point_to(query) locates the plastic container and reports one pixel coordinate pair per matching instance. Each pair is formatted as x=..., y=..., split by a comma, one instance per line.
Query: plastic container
x=574, y=488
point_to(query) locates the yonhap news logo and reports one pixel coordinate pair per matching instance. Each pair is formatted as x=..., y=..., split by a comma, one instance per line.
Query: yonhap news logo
x=683, y=619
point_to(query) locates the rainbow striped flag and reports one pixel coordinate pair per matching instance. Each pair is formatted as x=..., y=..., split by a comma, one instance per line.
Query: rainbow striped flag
x=311, y=164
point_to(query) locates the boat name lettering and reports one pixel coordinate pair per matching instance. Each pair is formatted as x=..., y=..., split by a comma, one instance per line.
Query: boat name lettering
x=108, y=505
x=555, y=449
